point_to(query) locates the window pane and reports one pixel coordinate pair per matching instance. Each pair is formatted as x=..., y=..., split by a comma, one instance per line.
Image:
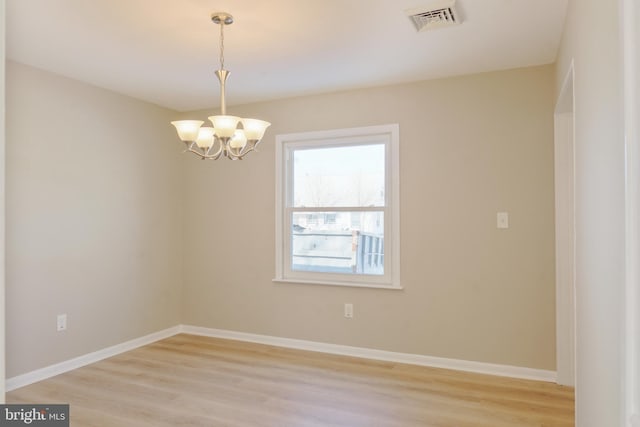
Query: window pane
x=338, y=242
x=339, y=176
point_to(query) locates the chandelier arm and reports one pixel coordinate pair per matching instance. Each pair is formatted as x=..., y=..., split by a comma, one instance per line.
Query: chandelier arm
x=245, y=152
x=196, y=152
x=231, y=156
x=253, y=144
x=240, y=154
x=248, y=150
x=207, y=155
x=203, y=156
x=188, y=145
x=217, y=153
x=214, y=156
x=193, y=148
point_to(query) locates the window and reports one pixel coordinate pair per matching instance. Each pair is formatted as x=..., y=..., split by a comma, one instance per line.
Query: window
x=337, y=208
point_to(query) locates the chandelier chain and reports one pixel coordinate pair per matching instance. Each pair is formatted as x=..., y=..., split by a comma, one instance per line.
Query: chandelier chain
x=222, y=45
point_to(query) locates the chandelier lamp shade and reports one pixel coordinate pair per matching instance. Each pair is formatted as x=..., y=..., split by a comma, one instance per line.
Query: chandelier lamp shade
x=230, y=136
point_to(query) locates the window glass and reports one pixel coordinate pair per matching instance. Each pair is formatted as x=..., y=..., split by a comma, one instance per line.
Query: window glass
x=352, y=243
x=339, y=176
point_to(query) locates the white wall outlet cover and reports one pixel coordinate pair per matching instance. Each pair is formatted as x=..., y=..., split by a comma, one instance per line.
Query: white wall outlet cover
x=502, y=220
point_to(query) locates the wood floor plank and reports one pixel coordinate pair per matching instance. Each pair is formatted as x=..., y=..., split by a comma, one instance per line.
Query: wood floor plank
x=189, y=380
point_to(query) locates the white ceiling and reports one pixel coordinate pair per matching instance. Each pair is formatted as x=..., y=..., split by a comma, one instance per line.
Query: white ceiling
x=165, y=51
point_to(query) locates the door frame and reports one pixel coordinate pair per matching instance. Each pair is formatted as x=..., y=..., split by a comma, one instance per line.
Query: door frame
x=630, y=375
x=564, y=182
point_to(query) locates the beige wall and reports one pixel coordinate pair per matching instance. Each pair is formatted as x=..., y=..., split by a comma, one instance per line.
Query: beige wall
x=93, y=219
x=469, y=147
x=101, y=206
x=592, y=41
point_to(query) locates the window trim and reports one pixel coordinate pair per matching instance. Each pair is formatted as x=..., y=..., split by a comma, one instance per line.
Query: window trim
x=390, y=134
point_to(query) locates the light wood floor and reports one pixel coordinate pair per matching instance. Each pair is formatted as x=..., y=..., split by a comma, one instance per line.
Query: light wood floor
x=189, y=380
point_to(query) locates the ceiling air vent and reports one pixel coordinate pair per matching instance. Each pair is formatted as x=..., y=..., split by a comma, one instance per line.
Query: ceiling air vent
x=435, y=15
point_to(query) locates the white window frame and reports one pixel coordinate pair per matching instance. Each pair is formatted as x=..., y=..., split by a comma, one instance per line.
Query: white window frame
x=387, y=134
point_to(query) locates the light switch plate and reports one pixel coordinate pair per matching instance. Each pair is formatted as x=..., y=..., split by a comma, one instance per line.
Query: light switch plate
x=348, y=311
x=61, y=322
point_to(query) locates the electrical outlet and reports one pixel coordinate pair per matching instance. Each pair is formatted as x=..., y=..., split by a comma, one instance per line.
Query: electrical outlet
x=348, y=311
x=61, y=322
x=502, y=220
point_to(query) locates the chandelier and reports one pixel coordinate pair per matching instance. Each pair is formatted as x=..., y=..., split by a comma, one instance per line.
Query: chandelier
x=232, y=137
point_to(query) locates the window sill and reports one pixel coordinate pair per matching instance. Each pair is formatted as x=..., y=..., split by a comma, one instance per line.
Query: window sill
x=343, y=284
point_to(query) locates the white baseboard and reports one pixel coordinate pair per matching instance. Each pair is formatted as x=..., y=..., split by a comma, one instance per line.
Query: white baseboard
x=367, y=353
x=389, y=356
x=77, y=362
